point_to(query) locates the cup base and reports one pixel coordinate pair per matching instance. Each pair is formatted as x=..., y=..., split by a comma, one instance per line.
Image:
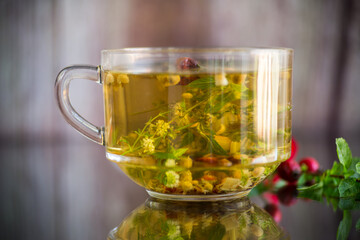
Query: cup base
x=198, y=198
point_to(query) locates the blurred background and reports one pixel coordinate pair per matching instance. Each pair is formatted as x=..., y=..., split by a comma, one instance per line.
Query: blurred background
x=55, y=184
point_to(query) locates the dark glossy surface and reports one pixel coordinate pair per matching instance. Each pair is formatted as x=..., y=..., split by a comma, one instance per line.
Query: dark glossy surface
x=63, y=191
x=235, y=219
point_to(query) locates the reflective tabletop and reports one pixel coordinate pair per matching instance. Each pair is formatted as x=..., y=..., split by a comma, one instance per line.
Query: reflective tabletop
x=70, y=191
x=236, y=219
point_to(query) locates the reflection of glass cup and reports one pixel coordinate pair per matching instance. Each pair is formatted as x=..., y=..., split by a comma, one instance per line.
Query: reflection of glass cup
x=190, y=124
x=157, y=219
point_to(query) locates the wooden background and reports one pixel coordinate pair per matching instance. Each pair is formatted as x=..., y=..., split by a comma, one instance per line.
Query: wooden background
x=38, y=38
x=55, y=184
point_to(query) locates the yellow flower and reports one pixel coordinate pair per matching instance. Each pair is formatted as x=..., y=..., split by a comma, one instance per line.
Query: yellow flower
x=162, y=128
x=207, y=186
x=148, y=145
x=187, y=95
x=186, y=176
x=186, y=186
x=178, y=111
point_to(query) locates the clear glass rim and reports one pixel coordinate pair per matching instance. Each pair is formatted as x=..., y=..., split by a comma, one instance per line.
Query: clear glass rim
x=229, y=50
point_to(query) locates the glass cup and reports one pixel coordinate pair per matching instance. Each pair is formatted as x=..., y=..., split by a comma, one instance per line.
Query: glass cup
x=190, y=124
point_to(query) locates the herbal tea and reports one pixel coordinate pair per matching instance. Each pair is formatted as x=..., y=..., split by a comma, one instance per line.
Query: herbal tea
x=195, y=133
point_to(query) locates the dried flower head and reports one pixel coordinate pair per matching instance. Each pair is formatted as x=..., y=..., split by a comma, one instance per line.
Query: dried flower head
x=178, y=110
x=172, y=179
x=162, y=128
x=148, y=145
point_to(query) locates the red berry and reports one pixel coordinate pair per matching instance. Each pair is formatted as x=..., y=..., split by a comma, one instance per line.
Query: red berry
x=287, y=195
x=289, y=171
x=311, y=163
x=186, y=63
x=274, y=211
x=271, y=198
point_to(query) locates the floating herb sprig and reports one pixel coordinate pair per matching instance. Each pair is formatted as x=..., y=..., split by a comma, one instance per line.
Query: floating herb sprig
x=189, y=121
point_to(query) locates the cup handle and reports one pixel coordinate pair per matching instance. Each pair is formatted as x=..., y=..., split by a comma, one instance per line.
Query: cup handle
x=62, y=83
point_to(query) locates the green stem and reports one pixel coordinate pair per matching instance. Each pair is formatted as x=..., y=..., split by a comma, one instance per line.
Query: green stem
x=334, y=176
x=172, y=120
x=187, y=111
x=146, y=125
x=129, y=151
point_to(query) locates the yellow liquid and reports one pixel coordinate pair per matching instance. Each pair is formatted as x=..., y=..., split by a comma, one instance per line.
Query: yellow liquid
x=197, y=133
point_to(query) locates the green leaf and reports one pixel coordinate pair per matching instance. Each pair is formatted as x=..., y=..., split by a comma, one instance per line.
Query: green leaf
x=215, y=232
x=344, y=226
x=313, y=192
x=358, y=225
x=352, y=171
x=216, y=148
x=331, y=190
x=220, y=101
x=174, y=154
x=302, y=179
x=355, y=167
x=334, y=202
x=358, y=167
x=187, y=139
x=247, y=95
x=203, y=83
x=337, y=169
x=238, y=87
x=164, y=155
x=162, y=178
x=343, y=152
x=184, y=127
x=179, y=152
x=349, y=204
x=349, y=187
